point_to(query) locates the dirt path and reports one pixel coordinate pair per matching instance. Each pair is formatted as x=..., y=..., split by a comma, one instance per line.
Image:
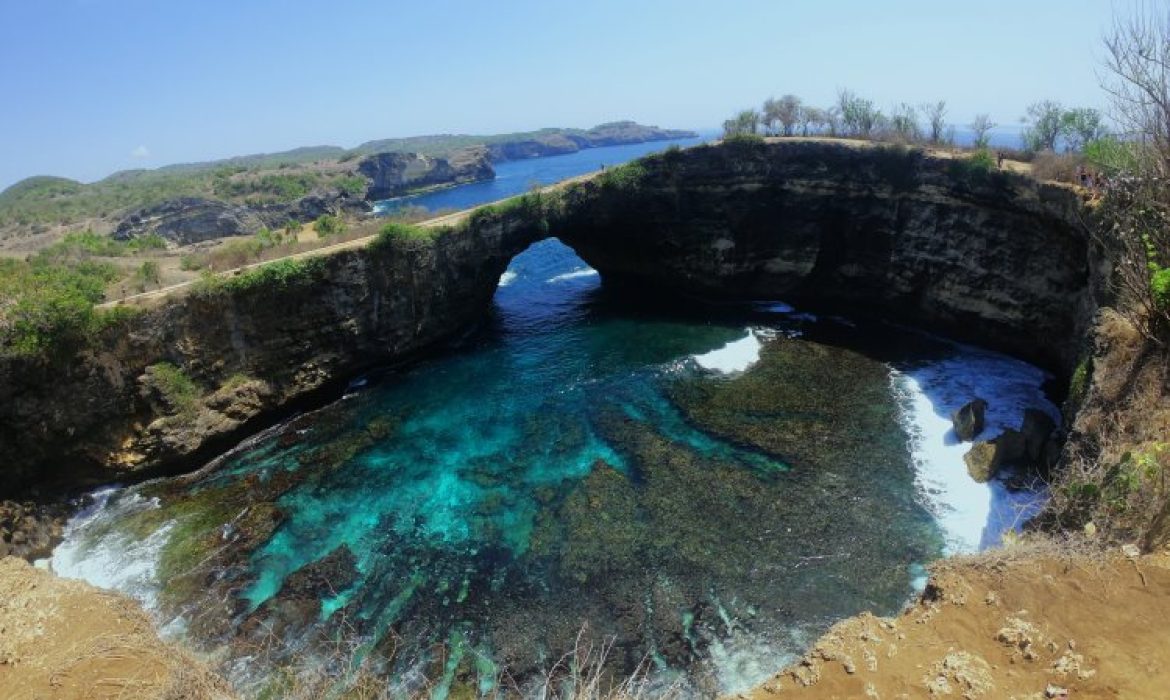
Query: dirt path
x=1004, y=625
x=66, y=640
x=445, y=220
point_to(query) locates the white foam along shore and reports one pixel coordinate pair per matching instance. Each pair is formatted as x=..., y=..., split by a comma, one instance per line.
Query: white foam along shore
x=507, y=277
x=109, y=559
x=973, y=516
x=736, y=356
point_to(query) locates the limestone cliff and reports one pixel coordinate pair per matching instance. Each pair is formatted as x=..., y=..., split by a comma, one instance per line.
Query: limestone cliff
x=394, y=174
x=993, y=258
x=251, y=354
x=996, y=259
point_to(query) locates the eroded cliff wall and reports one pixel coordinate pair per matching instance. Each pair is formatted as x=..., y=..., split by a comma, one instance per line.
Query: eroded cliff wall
x=996, y=259
x=990, y=257
x=251, y=352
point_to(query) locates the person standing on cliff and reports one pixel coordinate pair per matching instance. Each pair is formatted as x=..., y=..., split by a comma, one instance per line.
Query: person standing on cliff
x=999, y=159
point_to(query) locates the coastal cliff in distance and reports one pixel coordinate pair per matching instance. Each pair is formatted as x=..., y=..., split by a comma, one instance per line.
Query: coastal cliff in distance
x=394, y=174
x=192, y=202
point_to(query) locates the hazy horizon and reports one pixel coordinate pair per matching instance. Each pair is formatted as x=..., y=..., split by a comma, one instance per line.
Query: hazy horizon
x=98, y=86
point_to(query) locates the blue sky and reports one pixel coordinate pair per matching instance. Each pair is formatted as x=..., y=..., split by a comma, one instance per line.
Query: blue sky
x=94, y=86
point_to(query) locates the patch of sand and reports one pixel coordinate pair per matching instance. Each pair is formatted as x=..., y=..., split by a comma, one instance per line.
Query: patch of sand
x=1004, y=625
x=66, y=640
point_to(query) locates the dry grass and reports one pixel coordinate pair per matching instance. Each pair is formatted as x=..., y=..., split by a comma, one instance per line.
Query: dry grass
x=1058, y=167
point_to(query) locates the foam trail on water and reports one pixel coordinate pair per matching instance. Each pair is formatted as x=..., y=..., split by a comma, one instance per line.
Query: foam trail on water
x=973, y=516
x=507, y=278
x=736, y=356
x=575, y=274
x=96, y=553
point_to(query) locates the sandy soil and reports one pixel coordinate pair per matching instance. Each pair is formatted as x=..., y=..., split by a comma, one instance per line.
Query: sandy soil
x=66, y=640
x=1003, y=625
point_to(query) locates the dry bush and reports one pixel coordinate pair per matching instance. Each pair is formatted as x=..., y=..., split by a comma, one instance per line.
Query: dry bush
x=1058, y=167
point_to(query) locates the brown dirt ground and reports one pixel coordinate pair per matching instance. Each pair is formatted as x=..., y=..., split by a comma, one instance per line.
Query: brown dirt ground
x=1009, y=624
x=66, y=640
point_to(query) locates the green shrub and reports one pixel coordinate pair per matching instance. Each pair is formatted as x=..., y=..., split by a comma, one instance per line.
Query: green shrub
x=354, y=186
x=982, y=160
x=275, y=276
x=178, y=391
x=46, y=305
x=1111, y=156
x=148, y=273
x=191, y=262
x=1160, y=288
x=743, y=139
x=623, y=177
x=329, y=225
x=1078, y=385
x=151, y=241
x=397, y=232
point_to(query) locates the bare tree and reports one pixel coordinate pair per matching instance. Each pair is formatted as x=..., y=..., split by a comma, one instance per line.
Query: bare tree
x=812, y=119
x=981, y=127
x=936, y=116
x=789, y=114
x=1137, y=78
x=1136, y=208
x=770, y=115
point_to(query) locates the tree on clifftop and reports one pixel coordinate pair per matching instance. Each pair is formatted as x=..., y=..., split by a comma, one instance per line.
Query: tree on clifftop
x=1045, y=122
x=980, y=127
x=746, y=123
x=936, y=116
x=785, y=112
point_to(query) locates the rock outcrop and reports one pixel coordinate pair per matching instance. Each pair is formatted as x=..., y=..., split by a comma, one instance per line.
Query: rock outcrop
x=394, y=174
x=990, y=257
x=189, y=220
x=994, y=258
x=968, y=420
x=251, y=354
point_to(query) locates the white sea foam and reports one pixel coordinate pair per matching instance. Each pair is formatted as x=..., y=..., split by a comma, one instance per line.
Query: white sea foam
x=575, y=274
x=973, y=516
x=507, y=278
x=776, y=307
x=736, y=356
x=110, y=559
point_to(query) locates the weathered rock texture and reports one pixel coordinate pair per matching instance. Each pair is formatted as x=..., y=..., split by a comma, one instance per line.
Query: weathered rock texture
x=188, y=220
x=393, y=174
x=994, y=258
x=251, y=353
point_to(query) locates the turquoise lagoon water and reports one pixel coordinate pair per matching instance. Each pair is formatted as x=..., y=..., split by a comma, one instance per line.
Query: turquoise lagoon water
x=702, y=489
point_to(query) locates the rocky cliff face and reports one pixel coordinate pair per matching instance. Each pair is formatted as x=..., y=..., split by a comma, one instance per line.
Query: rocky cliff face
x=189, y=220
x=250, y=354
x=993, y=258
x=394, y=174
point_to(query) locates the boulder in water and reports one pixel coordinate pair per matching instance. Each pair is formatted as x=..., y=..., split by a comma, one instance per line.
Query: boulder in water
x=985, y=458
x=968, y=420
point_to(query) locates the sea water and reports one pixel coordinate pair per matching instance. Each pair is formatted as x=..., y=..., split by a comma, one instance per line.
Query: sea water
x=707, y=488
